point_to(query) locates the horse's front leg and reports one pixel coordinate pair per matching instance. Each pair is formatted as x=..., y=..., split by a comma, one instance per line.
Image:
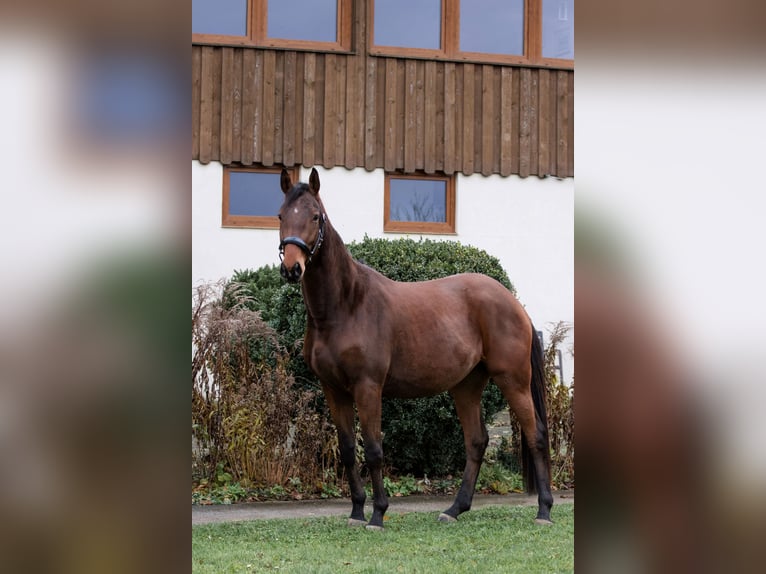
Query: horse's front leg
x=367, y=395
x=342, y=411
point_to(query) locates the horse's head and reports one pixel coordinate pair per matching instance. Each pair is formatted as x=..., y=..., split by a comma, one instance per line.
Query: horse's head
x=301, y=225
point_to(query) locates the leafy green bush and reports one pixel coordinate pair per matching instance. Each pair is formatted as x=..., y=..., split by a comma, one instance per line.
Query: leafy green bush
x=421, y=436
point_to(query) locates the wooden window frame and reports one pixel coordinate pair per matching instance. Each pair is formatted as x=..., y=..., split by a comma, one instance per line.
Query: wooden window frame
x=250, y=221
x=450, y=40
x=429, y=227
x=257, y=32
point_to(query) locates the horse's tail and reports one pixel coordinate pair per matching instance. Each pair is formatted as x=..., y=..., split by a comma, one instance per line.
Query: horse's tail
x=538, y=398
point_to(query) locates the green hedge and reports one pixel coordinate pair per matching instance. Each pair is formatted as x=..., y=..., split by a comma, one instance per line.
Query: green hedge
x=421, y=436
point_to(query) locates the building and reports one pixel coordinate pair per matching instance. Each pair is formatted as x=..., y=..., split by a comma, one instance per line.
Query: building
x=438, y=118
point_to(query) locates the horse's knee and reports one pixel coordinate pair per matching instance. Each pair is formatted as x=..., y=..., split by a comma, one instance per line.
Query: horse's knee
x=347, y=449
x=477, y=446
x=373, y=455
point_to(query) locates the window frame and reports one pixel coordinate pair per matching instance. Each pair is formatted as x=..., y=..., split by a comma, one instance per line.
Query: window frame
x=250, y=221
x=450, y=40
x=429, y=227
x=257, y=32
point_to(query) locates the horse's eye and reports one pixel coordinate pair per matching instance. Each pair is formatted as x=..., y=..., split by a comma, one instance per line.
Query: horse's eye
x=315, y=218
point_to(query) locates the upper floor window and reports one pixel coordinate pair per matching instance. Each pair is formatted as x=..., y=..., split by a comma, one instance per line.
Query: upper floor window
x=323, y=25
x=537, y=32
x=558, y=29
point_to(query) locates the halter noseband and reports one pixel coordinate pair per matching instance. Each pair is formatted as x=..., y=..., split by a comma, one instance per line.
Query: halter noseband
x=297, y=241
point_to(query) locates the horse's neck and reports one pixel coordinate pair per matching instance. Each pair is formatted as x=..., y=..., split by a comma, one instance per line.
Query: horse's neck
x=328, y=284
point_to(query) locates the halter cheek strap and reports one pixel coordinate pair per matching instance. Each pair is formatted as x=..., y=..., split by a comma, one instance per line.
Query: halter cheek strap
x=297, y=241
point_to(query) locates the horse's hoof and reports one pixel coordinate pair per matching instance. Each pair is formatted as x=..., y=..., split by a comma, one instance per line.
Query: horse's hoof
x=374, y=527
x=543, y=521
x=446, y=518
x=356, y=522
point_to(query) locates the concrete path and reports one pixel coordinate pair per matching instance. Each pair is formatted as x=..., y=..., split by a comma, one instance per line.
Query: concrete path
x=342, y=506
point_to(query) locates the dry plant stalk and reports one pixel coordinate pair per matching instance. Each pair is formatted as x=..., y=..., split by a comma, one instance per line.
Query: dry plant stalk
x=248, y=415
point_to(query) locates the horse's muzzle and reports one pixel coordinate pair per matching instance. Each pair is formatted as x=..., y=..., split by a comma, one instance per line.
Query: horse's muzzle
x=293, y=275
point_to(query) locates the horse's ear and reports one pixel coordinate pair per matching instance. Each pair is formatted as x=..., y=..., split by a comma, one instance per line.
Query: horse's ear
x=285, y=182
x=314, y=181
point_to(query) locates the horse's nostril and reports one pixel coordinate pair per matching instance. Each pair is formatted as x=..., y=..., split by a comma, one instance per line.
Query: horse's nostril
x=297, y=270
x=283, y=270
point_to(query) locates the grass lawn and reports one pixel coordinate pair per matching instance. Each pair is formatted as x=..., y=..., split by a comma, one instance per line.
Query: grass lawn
x=493, y=539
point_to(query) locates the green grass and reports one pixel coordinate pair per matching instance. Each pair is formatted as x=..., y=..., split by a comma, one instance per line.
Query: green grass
x=493, y=539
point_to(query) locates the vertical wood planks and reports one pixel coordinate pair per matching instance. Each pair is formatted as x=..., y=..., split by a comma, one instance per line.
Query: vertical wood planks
x=524, y=121
x=227, y=105
x=269, y=105
x=450, y=117
x=506, y=121
x=420, y=116
x=248, y=107
x=195, y=95
x=410, y=133
x=330, y=110
x=429, y=118
x=468, y=118
x=488, y=123
x=281, y=106
x=206, y=105
x=236, y=101
x=298, y=107
x=562, y=124
x=288, y=111
x=309, y=103
x=570, y=125
x=544, y=123
x=389, y=137
x=533, y=121
x=371, y=113
x=258, y=116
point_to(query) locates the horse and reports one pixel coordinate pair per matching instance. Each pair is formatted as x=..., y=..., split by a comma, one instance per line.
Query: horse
x=368, y=336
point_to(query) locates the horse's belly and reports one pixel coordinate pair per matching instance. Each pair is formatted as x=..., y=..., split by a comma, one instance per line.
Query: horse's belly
x=429, y=373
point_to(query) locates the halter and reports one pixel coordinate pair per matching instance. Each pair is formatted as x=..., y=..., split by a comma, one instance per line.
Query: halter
x=297, y=241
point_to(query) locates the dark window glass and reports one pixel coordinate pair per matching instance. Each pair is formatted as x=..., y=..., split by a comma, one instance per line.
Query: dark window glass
x=408, y=23
x=225, y=17
x=558, y=29
x=492, y=26
x=312, y=20
x=418, y=200
x=254, y=193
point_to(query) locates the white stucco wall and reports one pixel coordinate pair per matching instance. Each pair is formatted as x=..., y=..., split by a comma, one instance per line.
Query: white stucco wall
x=527, y=223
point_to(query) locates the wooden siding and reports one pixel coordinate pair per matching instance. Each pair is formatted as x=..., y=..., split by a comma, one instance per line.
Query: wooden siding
x=267, y=107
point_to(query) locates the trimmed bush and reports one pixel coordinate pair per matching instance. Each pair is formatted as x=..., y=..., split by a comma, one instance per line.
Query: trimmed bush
x=420, y=436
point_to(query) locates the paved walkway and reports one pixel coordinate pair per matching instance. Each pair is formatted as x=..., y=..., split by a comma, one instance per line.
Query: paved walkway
x=342, y=506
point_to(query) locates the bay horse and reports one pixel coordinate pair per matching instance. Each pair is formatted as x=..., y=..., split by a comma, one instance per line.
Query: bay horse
x=368, y=336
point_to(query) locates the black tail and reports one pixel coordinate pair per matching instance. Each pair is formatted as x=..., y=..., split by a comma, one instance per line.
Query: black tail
x=538, y=398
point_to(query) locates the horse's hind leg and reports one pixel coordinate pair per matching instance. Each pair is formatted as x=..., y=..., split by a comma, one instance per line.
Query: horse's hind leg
x=342, y=411
x=467, y=396
x=516, y=390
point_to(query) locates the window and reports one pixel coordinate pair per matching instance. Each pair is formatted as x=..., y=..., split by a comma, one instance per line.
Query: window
x=323, y=25
x=539, y=32
x=252, y=196
x=419, y=204
x=558, y=29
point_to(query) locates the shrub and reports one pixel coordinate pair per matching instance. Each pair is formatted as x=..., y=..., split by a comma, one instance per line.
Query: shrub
x=421, y=436
x=250, y=422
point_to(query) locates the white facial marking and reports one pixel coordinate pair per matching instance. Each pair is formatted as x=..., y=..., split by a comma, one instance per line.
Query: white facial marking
x=295, y=210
